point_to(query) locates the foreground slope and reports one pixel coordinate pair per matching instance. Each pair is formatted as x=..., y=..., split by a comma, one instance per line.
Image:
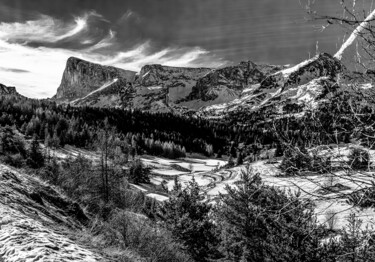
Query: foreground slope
x=34, y=219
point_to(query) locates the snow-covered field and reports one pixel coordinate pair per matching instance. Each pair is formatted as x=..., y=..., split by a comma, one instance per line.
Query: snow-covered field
x=213, y=179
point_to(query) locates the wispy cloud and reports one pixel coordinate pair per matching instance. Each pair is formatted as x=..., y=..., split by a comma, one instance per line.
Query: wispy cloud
x=44, y=29
x=44, y=62
x=14, y=70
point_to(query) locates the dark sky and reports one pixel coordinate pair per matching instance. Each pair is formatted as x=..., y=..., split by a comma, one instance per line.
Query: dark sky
x=131, y=33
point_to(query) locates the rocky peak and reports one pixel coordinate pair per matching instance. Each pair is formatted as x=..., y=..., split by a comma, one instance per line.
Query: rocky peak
x=231, y=78
x=153, y=75
x=81, y=77
x=7, y=90
x=321, y=65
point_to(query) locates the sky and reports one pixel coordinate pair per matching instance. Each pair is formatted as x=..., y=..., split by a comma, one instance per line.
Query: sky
x=38, y=36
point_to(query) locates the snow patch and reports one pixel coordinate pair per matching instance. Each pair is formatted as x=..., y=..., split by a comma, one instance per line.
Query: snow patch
x=154, y=87
x=288, y=71
x=366, y=86
x=158, y=197
x=97, y=90
x=144, y=75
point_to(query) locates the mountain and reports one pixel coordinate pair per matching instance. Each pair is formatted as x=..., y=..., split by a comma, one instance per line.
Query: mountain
x=231, y=80
x=8, y=91
x=80, y=78
x=299, y=86
x=202, y=91
x=107, y=95
x=159, y=87
x=179, y=89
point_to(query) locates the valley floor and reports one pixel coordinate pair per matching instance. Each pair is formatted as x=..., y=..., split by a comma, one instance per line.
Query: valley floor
x=328, y=191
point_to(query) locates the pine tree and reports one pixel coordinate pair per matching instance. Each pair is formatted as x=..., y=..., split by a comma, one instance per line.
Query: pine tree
x=187, y=217
x=279, y=150
x=138, y=173
x=239, y=159
x=35, y=156
x=262, y=223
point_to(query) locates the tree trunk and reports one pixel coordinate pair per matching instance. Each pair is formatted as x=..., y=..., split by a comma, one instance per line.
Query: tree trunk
x=354, y=35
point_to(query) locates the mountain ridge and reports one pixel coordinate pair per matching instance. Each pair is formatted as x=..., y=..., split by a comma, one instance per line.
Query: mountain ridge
x=212, y=92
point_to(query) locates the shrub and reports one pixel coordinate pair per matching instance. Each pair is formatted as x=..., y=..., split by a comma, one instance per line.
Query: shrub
x=331, y=219
x=358, y=159
x=16, y=160
x=364, y=197
x=10, y=142
x=137, y=232
x=297, y=160
x=355, y=244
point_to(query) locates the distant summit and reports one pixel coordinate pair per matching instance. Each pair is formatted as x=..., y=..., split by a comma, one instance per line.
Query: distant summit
x=81, y=77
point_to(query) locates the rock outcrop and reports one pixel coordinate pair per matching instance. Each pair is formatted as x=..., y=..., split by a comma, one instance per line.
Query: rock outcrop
x=81, y=77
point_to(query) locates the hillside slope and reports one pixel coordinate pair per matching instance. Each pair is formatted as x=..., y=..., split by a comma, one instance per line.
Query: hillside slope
x=34, y=219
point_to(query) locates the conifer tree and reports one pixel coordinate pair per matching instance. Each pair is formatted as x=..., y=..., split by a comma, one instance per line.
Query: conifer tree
x=138, y=173
x=35, y=156
x=188, y=218
x=262, y=223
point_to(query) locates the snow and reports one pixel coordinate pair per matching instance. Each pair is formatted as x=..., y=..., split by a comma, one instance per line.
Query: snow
x=288, y=71
x=154, y=87
x=366, y=86
x=25, y=239
x=157, y=197
x=251, y=88
x=167, y=172
x=308, y=92
x=28, y=230
x=213, y=181
x=97, y=90
x=148, y=72
x=139, y=187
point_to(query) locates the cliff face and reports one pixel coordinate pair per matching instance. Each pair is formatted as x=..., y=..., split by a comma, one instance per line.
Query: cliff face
x=81, y=77
x=231, y=80
x=158, y=87
x=152, y=75
x=8, y=90
x=175, y=82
